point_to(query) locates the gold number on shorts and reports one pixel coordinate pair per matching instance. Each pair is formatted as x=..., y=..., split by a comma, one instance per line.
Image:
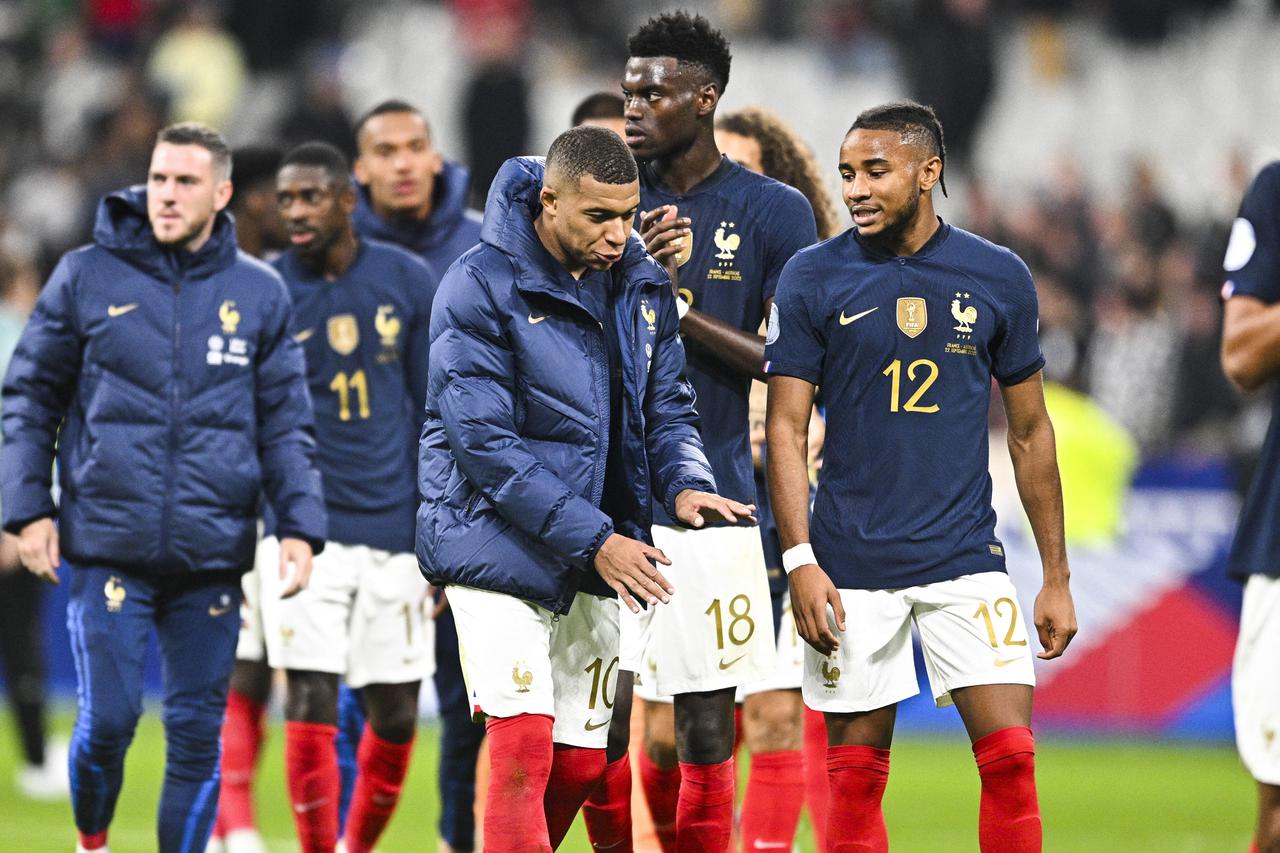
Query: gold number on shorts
x=985, y=614
x=342, y=385
x=407, y=610
x=738, y=619
x=600, y=681
x=894, y=372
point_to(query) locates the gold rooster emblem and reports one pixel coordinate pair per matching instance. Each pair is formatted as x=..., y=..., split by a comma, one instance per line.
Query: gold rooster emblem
x=388, y=327
x=229, y=316
x=522, y=679
x=966, y=317
x=830, y=675
x=115, y=594
x=726, y=243
x=650, y=316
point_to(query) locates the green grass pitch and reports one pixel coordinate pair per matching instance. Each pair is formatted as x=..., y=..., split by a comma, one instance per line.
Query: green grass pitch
x=1110, y=796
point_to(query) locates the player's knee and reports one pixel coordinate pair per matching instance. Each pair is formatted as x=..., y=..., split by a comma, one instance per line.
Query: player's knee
x=252, y=679
x=396, y=724
x=107, y=730
x=191, y=741
x=660, y=734
x=704, y=737
x=1268, y=835
x=774, y=722
x=312, y=697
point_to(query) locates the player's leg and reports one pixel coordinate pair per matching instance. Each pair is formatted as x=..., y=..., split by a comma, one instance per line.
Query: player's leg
x=584, y=665
x=308, y=636
x=660, y=764
x=705, y=734
x=508, y=674
x=197, y=624
x=109, y=618
x=392, y=650
x=858, y=689
x=242, y=728
x=460, y=740
x=351, y=722
x=607, y=811
x=978, y=655
x=1255, y=698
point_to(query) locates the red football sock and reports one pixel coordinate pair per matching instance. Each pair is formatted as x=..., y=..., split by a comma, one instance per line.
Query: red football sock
x=1009, y=816
x=704, y=817
x=381, y=766
x=607, y=811
x=94, y=841
x=241, y=743
x=775, y=795
x=857, y=775
x=817, y=791
x=520, y=758
x=662, y=793
x=311, y=771
x=575, y=772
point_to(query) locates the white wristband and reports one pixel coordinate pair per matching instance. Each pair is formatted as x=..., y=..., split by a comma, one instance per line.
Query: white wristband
x=682, y=307
x=797, y=556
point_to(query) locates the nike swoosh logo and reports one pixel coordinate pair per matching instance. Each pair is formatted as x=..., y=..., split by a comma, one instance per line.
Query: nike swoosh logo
x=304, y=335
x=303, y=808
x=1006, y=661
x=724, y=665
x=596, y=846
x=533, y=321
x=591, y=726
x=117, y=310
x=844, y=321
x=770, y=845
x=217, y=611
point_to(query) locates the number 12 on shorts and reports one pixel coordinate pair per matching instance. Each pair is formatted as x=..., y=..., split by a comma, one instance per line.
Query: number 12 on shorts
x=984, y=613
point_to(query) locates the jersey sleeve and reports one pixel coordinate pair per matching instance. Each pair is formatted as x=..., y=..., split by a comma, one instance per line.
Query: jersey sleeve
x=1016, y=351
x=793, y=228
x=794, y=345
x=1252, y=261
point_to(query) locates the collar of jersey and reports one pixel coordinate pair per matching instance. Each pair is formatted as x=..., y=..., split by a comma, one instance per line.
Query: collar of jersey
x=932, y=245
x=708, y=183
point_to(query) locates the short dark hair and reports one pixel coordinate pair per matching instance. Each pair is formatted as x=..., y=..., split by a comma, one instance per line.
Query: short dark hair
x=321, y=155
x=196, y=133
x=255, y=165
x=916, y=123
x=688, y=38
x=599, y=105
x=592, y=151
x=391, y=105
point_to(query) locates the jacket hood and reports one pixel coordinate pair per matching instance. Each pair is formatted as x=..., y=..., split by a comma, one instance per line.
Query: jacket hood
x=512, y=205
x=447, y=212
x=123, y=229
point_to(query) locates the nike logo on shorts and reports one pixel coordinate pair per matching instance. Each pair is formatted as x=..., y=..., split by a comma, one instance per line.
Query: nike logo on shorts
x=117, y=310
x=215, y=612
x=844, y=321
x=591, y=726
x=1006, y=661
x=724, y=665
x=533, y=321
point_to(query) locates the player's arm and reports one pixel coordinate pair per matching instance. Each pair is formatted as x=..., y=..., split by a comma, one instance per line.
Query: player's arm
x=38, y=388
x=787, y=436
x=474, y=369
x=681, y=477
x=1035, y=468
x=287, y=446
x=1250, y=341
x=741, y=351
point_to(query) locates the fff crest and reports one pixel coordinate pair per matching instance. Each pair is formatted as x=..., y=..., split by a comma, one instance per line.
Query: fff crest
x=344, y=333
x=913, y=316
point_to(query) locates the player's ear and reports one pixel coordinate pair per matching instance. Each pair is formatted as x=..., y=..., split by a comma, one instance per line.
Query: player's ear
x=361, y=171
x=222, y=194
x=930, y=173
x=548, y=199
x=346, y=197
x=708, y=98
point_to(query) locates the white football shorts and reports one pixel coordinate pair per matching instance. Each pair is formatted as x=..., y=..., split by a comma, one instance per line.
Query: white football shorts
x=365, y=615
x=717, y=630
x=1255, y=680
x=518, y=658
x=971, y=629
x=788, y=669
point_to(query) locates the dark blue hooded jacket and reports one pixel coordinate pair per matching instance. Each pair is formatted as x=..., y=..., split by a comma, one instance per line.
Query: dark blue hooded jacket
x=180, y=395
x=511, y=466
x=451, y=229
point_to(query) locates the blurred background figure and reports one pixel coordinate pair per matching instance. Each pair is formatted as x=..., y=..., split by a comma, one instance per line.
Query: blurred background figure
x=603, y=109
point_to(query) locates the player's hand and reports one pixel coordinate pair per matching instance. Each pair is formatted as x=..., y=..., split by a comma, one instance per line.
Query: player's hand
x=627, y=566
x=811, y=592
x=664, y=233
x=38, y=549
x=297, y=552
x=1055, y=619
x=696, y=508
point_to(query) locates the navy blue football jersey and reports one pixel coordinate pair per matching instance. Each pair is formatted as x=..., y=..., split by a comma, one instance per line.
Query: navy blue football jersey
x=366, y=341
x=904, y=349
x=745, y=229
x=1252, y=266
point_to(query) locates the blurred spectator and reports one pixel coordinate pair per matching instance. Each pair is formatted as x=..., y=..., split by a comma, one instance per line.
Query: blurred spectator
x=321, y=114
x=201, y=66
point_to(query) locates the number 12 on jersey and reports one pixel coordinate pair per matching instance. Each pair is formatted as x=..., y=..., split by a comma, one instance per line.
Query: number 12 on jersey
x=929, y=375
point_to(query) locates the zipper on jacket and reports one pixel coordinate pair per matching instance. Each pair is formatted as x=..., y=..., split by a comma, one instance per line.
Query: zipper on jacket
x=166, y=512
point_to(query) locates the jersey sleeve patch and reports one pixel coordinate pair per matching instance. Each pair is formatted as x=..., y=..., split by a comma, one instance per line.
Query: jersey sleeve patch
x=1241, y=246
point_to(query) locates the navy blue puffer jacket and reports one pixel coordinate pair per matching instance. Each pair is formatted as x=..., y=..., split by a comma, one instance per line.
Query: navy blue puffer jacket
x=512, y=460
x=180, y=396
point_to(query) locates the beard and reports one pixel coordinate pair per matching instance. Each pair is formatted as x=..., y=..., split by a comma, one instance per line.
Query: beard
x=182, y=238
